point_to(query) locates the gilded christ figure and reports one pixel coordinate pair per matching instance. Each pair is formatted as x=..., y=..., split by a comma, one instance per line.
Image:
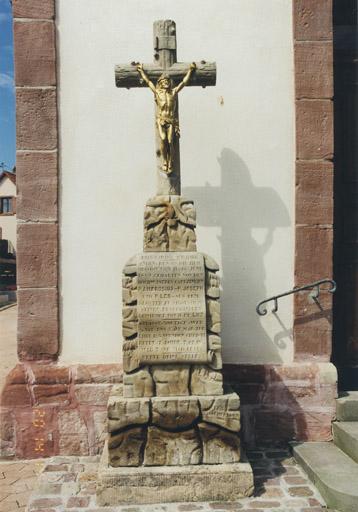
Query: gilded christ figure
x=167, y=123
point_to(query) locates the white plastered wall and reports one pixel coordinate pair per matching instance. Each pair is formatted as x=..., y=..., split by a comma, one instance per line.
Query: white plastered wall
x=237, y=155
x=8, y=222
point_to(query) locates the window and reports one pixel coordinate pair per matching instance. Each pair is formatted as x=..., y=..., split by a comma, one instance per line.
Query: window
x=6, y=205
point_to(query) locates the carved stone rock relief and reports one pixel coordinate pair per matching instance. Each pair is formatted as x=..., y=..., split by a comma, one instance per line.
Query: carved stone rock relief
x=173, y=413
x=214, y=352
x=129, y=289
x=169, y=224
x=171, y=380
x=126, y=448
x=125, y=412
x=213, y=316
x=172, y=448
x=222, y=410
x=129, y=321
x=138, y=384
x=219, y=445
x=205, y=381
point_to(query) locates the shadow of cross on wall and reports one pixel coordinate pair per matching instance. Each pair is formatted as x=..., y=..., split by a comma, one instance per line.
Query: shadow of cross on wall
x=237, y=206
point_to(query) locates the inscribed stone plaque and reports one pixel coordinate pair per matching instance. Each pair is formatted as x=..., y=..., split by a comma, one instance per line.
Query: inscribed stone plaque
x=171, y=308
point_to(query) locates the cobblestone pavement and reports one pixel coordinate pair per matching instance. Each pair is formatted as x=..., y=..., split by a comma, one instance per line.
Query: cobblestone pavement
x=68, y=484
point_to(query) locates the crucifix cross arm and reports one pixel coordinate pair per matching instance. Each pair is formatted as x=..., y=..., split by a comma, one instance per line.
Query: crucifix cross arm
x=166, y=77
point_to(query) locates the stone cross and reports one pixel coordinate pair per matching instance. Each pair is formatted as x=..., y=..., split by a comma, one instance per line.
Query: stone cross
x=165, y=61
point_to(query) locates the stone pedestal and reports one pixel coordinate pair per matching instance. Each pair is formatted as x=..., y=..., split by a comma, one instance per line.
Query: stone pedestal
x=164, y=484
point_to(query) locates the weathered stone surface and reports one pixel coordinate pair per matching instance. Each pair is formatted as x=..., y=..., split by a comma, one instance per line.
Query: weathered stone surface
x=313, y=253
x=212, y=284
x=36, y=119
x=314, y=69
x=36, y=199
x=43, y=9
x=37, y=324
x=210, y=263
x=214, y=352
x=169, y=224
x=50, y=374
x=222, y=410
x=37, y=255
x=172, y=448
x=129, y=289
x=138, y=384
x=171, y=380
x=124, y=412
x=35, y=53
x=314, y=192
x=312, y=20
x=219, y=446
x=73, y=433
x=15, y=395
x=94, y=394
x=176, y=412
x=130, y=268
x=314, y=129
x=213, y=316
x=100, y=430
x=219, y=482
x=171, y=308
x=130, y=321
x=130, y=355
x=97, y=373
x=125, y=448
x=205, y=381
x=51, y=394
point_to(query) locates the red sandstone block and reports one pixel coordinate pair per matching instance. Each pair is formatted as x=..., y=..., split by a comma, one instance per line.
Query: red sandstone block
x=315, y=425
x=35, y=432
x=314, y=193
x=78, y=501
x=312, y=19
x=313, y=254
x=297, y=372
x=314, y=69
x=37, y=254
x=312, y=343
x=35, y=56
x=42, y=9
x=314, y=129
x=36, y=198
x=15, y=395
x=50, y=374
x=36, y=119
x=17, y=375
x=55, y=394
x=250, y=373
x=37, y=324
x=94, y=394
x=101, y=373
x=274, y=426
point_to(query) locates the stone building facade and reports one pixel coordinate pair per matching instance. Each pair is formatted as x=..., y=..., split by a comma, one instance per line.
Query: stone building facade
x=49, y=407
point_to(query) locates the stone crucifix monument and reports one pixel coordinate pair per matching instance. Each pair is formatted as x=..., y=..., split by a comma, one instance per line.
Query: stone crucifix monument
x=173, y=426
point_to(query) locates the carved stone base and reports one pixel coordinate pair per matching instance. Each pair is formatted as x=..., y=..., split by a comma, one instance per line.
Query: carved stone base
x=164, y=484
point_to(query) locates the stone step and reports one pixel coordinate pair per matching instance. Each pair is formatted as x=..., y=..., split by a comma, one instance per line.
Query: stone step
x=345, y=436
x=347, y=406
x=333, y=473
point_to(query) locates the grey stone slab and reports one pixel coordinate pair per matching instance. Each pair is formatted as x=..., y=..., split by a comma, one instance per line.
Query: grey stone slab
x=345, y=436
x=126, y=448
x=205, y=381
x=125, y=412
x=334, y=473
x=172, y=448
x=138, y=384
x=219, y=445
x=221, y=410
x=347, y=406
x=171, y=380
x=174, y=412
x=165, y=484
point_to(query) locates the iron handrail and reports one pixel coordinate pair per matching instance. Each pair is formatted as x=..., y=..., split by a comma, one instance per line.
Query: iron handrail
x=314, y=295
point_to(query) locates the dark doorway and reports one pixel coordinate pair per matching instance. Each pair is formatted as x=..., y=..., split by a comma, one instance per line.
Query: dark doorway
x=345, y=330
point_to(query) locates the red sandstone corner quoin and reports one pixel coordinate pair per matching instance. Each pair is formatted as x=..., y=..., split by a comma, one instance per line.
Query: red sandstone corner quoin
x=63, y=409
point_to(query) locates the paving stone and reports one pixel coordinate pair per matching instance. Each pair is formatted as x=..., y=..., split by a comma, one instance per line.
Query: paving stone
x=300, y=491
x=78, y=501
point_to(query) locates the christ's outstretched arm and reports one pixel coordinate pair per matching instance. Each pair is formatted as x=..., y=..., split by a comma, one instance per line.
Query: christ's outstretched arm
x=185, y=80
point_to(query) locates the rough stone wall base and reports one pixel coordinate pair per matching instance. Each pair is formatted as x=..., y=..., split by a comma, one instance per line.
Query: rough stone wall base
x=47, y=409
x=165, y=484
